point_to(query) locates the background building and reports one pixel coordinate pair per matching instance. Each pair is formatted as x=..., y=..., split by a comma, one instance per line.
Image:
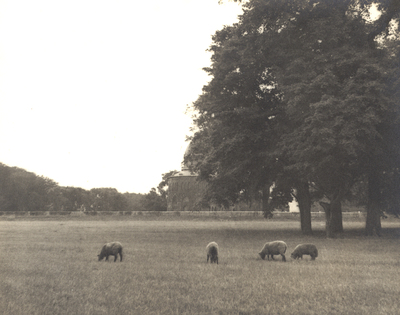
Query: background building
x=185, y=194
x=184, y=190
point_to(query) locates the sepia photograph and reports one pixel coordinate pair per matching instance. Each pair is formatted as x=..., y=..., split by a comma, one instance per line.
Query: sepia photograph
x=229, y=157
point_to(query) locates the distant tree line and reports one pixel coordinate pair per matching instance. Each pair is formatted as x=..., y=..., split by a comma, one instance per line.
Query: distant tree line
x=21, y=190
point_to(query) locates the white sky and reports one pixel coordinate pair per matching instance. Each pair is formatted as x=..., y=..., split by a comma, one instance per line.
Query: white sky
x=93, y=92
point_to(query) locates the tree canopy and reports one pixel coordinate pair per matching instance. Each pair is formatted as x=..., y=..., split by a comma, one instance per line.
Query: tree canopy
x=23, y=191
x=301, y=92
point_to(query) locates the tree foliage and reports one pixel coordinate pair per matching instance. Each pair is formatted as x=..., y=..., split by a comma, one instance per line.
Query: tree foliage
x=23, y=191
x=162, y=187
x=156, y=199
x=300, y=93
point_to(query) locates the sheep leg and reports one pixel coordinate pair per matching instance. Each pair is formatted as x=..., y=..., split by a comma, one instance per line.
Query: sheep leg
x=283, y=257
x=272, y=257
x=115, y=257
x=120, y=256
x=107, y=258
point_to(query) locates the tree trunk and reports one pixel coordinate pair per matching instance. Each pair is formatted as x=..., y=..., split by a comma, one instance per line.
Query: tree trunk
x=373, y=222
x=327, y=209
x=333, y=215
x=304, y=201
x=265, y=202
x=336, y=215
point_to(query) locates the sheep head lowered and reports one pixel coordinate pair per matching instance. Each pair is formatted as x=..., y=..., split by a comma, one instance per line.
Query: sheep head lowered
x=273, y=248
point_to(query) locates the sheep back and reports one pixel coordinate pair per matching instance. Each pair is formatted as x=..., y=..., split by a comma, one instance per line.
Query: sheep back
x=111, y=249
x=212, y=252
x=305, y=249
x=273, y=248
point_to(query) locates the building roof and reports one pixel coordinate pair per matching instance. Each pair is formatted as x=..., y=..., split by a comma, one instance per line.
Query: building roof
x=185, y=168
x=183, y=173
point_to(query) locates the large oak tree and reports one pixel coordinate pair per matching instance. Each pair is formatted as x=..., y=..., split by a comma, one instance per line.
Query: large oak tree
x=299, y=94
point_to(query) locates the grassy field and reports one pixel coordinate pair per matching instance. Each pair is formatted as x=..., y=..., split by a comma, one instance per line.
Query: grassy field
x=50, y=267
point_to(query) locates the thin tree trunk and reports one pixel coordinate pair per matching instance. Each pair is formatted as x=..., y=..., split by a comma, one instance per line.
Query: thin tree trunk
x=265, y=202
x=304, y=201
x=333, y=215
x=373, y=221
x=328, y=227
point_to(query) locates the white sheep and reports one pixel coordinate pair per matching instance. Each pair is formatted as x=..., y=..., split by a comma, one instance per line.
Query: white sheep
x=273, y=248
x=212, y=252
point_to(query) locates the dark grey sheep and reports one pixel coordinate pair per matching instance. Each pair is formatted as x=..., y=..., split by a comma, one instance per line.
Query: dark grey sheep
x=212, y=252
x=111, y=249
x=273, y=248
x=305, y=249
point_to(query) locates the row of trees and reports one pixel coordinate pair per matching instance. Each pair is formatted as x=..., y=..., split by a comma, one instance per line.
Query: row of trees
x=304, y=94
x=25, y=191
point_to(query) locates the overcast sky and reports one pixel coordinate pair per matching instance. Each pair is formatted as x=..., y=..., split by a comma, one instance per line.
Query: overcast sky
x=93, y=93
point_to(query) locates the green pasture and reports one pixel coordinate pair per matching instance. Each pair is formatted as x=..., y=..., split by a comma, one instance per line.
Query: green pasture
x=51, y=267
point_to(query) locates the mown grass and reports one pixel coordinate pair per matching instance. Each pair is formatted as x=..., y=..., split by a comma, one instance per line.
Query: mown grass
x=51, y=267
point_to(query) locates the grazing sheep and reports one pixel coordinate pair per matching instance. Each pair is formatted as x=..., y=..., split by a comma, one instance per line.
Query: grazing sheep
x=274, y=248
x=212, y=252
x=305, y=249
x=111, y=249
